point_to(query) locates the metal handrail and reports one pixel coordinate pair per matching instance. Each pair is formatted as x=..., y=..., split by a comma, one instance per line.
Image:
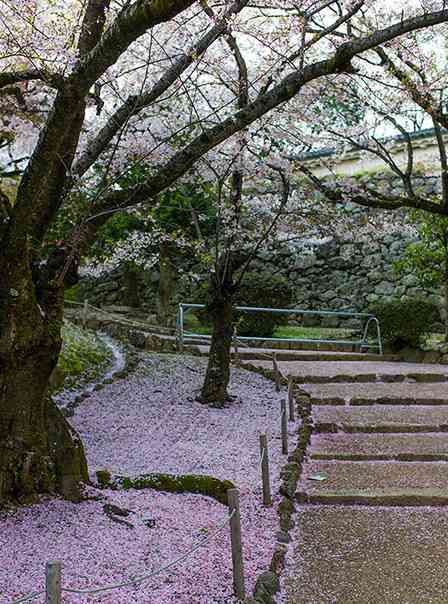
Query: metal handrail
x=363, y=343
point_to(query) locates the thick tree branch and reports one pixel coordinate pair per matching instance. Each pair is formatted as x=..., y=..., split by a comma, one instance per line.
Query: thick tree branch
x=133, y=21
x=93, y=25
x=134, y=104
x=371, y=198
x=288, y=88
x=10, y=78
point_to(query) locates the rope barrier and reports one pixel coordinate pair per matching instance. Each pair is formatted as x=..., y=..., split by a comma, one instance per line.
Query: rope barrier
x=145, y=577
x=112, y=316
x=142, y=578
x=29, y=597
x=263, y=354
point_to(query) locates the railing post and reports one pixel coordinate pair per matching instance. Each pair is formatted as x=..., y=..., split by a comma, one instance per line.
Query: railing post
x=181, y=328
x=284, y=425
x=237, y=550
x=276, y=372
x=292, y=413
x=85, y=310
x=235, y=348
x=265, y=478
x=53, y=582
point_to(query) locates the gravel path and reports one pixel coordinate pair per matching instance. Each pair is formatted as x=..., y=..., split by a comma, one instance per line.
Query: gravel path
x=151, y=422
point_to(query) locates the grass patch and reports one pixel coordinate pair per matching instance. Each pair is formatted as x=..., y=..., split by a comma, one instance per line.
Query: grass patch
x=84, y=356
x=192, y=324
x=313, y=333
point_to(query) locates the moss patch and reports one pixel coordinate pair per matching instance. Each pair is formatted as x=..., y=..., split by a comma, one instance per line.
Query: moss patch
x=172, y=483
x=84, y=356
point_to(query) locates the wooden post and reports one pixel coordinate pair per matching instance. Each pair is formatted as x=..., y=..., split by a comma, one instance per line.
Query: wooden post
x=180, y=334
x=264, y=456
x=235, y=348
x=276, y=372
x=237, y=550
x=291, y=402
x=284, y=424
x=53, y=582
x=84, y=313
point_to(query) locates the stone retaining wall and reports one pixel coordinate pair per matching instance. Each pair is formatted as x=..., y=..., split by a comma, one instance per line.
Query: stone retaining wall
x=346, y=273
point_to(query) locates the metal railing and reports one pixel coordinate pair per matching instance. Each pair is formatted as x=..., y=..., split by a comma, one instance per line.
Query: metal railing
x=363, y=344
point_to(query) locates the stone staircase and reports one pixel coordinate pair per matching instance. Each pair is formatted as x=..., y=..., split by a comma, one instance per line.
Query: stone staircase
x=374, y=488
x=367, y=429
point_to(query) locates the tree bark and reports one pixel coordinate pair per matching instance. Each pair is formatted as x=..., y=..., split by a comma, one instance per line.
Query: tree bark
x=39, y=451
x=445, y=299
x=221, y=296
x=166, y=285
x=214, y=390
x=131, y=287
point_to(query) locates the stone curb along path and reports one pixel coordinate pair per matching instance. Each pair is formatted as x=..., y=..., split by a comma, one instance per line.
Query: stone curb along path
x=372, y=522
x=268, y=583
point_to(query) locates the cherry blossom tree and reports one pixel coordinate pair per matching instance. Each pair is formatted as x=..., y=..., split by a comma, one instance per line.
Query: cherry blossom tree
x=117, y=82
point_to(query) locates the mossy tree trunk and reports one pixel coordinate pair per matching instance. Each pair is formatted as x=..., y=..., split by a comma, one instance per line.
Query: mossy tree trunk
x=445, y=304
x=39, y=452
x=222, y=287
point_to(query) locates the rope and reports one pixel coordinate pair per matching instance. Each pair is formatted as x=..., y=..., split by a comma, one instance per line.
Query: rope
x=28, y=597
x=138, y=580
x=264, y=354
x=123, y=319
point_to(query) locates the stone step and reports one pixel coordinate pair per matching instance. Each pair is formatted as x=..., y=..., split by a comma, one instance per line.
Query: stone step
x=379, y=393
x=359, y=378
x=379, y=447
x=374, y=483
x=259, y=354
x=380, y=418
x=361, y=555
x=366, y=371
x=378, y=497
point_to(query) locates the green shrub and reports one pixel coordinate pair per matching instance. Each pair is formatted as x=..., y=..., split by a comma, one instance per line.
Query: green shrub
x=267, y=291
x=72, y=294
x=404, y=322
x=257, y=289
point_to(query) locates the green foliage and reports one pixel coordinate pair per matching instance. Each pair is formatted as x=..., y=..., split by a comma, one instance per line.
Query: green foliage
x=257, y=289
x=117, y=228
x=76, y=207
x=262, y=290
x=428, y=257
x=176, y=209
x=337, y=112
x=404, y=322
x=72, y=294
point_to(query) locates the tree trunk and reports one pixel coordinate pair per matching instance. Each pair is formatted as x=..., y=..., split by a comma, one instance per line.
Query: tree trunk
x=131, y=287
x=166, y=286
x=39, y=452
x=214, y=391
x=445, y=298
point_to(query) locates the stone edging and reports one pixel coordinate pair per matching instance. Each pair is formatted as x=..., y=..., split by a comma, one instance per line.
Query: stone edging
x=268, y=583
x=131, y=362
